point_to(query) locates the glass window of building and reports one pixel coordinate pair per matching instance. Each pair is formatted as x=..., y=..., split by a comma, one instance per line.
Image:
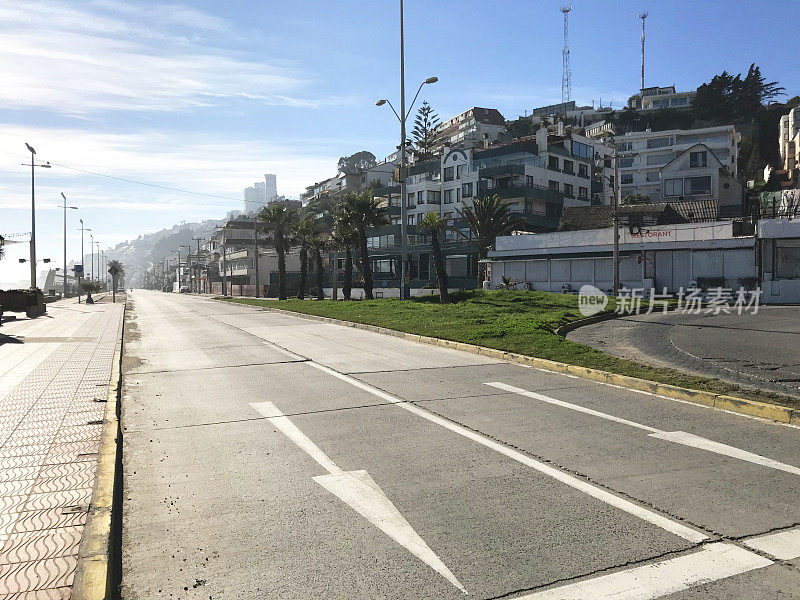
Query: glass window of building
x=466, y=190
x=673, y=187
x=698, y=159
x=448, y=173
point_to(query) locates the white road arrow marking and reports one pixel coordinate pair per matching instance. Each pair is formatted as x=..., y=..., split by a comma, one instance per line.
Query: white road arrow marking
x=359, y=491
x=678, y=437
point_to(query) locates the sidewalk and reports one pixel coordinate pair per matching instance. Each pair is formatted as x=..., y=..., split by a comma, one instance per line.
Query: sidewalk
x=54, y=376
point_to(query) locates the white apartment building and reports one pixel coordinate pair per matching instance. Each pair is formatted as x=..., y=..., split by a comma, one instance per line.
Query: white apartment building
x=536, y=178
x=653, y=98
x=789, y=139
x=646, y=156
x=474, y=127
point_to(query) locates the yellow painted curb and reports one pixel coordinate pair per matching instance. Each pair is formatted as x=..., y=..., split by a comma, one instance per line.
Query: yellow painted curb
x=743, y=406
x=93, y=571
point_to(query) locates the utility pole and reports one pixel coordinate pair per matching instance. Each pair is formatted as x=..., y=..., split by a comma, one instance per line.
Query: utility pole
x=616, y=220
x=197, y=269
x=65, y=241
x=83, y=261
x=404, y=271
x=33, y=166
x=255, y=248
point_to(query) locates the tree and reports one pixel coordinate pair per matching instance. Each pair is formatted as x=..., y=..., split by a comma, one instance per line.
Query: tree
x=277, y=222
x=363, y=212
x=345, y=237
x=89, y=286
x=318, y=244
x=728, y=99
x=521, y=127
x=303, y=231
x=433, y=224
x=423, y=133
x=356, y=163
x=488, y=218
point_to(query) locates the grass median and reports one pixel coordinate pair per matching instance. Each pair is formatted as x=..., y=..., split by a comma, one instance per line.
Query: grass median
x=513, y=321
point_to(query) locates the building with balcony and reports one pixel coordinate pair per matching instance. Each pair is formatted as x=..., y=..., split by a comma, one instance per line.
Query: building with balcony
x=704, y=160
x=472, y=128
x=653, y=98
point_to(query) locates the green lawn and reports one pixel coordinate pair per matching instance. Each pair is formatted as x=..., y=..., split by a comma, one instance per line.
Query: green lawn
x=515, y=321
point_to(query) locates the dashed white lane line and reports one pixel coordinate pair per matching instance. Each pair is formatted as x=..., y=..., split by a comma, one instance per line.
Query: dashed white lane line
x=678, y=437
x=359, y=491
x=784, y=545
x=714, y=562
x=598, y=493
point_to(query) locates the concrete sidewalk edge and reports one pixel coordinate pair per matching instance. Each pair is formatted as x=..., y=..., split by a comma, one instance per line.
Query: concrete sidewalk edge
x=772, y=412
x=93, y=571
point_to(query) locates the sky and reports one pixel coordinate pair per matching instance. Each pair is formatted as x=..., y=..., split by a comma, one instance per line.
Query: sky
x=207, y=96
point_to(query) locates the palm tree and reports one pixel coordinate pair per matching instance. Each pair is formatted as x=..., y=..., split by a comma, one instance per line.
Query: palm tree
x=345, y=237
x=319, y=244
x=364, y=212
x=432, y=223
x=488, y=218
x=277, y=221
x=303, y=232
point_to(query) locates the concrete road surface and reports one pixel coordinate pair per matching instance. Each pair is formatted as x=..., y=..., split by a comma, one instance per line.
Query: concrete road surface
x=759, y=350
x=271, y=456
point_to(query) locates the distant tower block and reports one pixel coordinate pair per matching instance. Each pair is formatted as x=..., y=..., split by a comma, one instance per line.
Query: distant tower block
x=272, y=187
x=642, y=16
x=566, y=72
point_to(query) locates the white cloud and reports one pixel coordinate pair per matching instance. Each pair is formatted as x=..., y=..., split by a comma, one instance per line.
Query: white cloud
x=110, y=56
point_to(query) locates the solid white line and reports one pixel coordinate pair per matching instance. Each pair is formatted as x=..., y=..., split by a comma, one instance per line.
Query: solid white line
x=714, y=562
x=784, y=545
x=695, y=441
x=576, y=407
x=587, y=488
x=678, y=437
x=290, y=430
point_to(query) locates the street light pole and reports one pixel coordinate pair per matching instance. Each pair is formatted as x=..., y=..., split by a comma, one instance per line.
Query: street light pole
x=616, y=220
x=33, y=213
x=404, y=290
x=99, y=276
x=65, y=240
x=91, y=250
x=255, y=246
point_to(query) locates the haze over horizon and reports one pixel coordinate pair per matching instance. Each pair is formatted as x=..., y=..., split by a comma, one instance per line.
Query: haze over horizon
x=207, y=97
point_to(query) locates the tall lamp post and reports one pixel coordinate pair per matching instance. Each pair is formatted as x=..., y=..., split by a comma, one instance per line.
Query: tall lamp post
x=91, y=250
x=404, y=288
x=65, y=239
x=83, y=259
x=33, y=165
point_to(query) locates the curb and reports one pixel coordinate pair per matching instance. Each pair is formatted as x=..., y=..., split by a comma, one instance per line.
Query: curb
x=93, y=579
x=564, y=329
x=742, y=406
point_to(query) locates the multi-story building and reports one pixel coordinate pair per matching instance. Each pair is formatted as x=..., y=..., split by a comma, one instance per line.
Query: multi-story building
x=472, y=128
x=261, y=194
x=653, y=98
x=789, y=140
x=692, y=164
x=271, y=187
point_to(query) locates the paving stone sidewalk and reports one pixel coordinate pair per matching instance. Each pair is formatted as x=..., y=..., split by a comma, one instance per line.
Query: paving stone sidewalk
x=54, y=375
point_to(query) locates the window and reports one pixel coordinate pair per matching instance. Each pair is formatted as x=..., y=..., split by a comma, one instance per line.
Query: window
x=625, y=162
x=552, y=163
x=695, y=186
x=466, y=190
x=787, y=258
x=553, y=185
x=659, y=159
x=651, y=176
x=434, y=197
x=698, y=159
x=421, y=197
x=625, y=146
x=673, y=187
x=626, y=178
x=583, y=192
x=569, y=190
x=680, y=102
x=529, y=180
x=569, y=167
x=459, y=171
x=583, y=170
x=659, y=142
x=458, y=194
x=582, y=150
x=448, y=173
x=448, y=196
x=411, y=196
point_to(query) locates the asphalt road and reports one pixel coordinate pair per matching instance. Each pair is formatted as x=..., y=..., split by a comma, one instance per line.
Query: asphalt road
x=276, y=457
x=759, y=350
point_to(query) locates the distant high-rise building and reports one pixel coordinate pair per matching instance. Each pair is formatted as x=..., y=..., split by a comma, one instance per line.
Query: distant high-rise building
x=261, y=194
x=271, y=187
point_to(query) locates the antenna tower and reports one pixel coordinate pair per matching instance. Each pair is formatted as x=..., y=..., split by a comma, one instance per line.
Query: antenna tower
x=642, y=16
x=566, y=72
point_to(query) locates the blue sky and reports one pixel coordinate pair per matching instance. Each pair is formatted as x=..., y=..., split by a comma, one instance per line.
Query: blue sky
x=207, y=96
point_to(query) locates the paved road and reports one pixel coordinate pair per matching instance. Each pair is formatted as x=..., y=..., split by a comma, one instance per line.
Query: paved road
x=756, y=350
x=271, y=456
x=51, y=371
